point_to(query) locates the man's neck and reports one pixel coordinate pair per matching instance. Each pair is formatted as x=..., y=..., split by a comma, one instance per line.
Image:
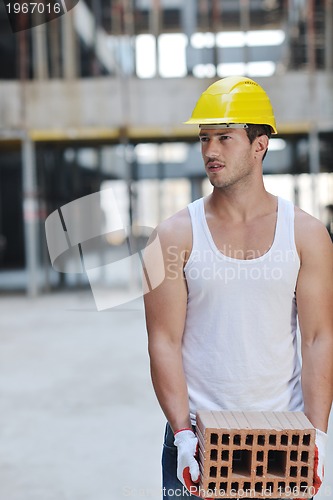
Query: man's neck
x=238, y=207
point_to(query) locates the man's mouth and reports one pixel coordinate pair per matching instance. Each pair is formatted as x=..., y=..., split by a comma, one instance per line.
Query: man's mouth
x=214, y=166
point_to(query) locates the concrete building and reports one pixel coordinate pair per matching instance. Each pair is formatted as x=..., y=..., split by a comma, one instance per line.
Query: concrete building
x=100, y=93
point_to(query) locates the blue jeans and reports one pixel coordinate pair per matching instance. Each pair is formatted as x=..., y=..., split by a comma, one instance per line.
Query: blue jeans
x=172, y=487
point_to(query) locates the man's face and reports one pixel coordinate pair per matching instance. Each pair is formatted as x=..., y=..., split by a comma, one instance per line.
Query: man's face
x=227, y=154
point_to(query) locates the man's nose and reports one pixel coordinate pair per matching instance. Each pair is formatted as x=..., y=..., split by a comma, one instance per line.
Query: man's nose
x=212, y=151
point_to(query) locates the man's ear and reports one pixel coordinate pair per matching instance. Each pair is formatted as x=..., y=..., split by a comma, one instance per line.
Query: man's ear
x=261, y=144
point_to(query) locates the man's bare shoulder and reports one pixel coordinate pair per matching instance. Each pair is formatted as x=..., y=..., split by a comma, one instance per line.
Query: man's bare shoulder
x=176, y=230
x=307, y=224
x=310, y=233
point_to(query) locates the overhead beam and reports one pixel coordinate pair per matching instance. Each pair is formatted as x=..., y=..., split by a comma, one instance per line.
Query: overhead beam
x=159, y=107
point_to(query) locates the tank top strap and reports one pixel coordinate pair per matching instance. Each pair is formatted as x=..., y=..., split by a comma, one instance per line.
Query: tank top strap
x=284, y=232
x=197, y=214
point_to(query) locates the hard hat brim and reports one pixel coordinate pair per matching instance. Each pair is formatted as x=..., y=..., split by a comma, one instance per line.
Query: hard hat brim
x=212, y=123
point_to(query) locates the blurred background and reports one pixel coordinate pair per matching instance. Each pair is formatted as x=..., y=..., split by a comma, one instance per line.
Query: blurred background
x=96, y=99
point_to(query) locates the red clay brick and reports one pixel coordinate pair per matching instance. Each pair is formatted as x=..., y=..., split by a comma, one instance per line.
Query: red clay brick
x=255, y=454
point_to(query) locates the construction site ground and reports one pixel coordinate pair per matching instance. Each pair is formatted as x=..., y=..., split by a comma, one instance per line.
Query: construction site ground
x=78, y=416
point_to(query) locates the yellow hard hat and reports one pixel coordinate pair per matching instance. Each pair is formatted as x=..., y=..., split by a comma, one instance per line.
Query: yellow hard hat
x=234, y=100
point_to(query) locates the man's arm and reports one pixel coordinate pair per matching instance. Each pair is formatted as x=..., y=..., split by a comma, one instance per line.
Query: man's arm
x=314, y=295
x=165, y=308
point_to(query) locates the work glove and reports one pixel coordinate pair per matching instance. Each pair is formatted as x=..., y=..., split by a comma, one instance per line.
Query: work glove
x=320, y=453
x=187, y=465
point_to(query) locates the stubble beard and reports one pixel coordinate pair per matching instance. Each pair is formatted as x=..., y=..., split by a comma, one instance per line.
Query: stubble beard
x=240, y=177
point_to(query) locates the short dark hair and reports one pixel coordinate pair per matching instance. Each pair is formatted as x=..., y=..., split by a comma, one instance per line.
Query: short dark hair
x=254, y=130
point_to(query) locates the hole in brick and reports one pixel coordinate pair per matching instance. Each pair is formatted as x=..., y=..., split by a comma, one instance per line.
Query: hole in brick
x=277, y=461
x=223, y=488
x=213, y=438
x=260, y=456
x=213, y=454
x=260, y=470
x=304, y=456
x=292, y=486
x=270, y=486
x=306, y=439
x=261, y=440
x=237, y=439
x=212, y=485
x=225, y=439
x=268, y=489
x=293, y=471
x=304, y=486
x=213, y=472
x=225, y=455
x=235, y=486
x=293, y=456
x=241, y=462
x=295, y=439
x=249, y=439
x=258, y=487
x=224, y=471
x=284, y=439
x=246, y=486
x=272, y=439
x=304, y=471
x=281, y=486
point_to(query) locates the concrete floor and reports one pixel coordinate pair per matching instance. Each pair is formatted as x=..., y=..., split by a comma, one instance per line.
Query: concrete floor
x=77, y=408
x=78, y=416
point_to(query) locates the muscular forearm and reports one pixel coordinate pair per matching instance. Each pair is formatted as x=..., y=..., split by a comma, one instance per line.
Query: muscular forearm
x=169, y=383
x=317, y=380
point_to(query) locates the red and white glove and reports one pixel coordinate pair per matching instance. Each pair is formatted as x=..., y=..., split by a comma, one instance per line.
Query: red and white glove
x=187, y=465
x=320, y=453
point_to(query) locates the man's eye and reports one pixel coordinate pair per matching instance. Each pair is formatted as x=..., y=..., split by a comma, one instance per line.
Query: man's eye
x=224, y=137
x=203, y=139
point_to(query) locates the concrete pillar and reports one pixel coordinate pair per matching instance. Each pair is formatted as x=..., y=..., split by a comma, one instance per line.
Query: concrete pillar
x=314, y=157
x=31, y=215
x=55, y=49
x=311, y=41
x=329, y=35
x=161, y=177
x=39, y=52
x=155, y=27
x=296, y=189
x=196, y=188
x=97, y=13
x=293, y=146
x=189, y=24
x=245, y=25
x=204, y=15
x=23, y=56
x=216, y=25
x=69, y=47
x=189, y=17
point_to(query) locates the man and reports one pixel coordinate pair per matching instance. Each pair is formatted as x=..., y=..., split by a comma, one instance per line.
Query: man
x=240, y=265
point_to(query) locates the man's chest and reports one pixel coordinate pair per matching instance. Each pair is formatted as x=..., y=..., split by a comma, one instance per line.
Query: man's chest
x=243, y=240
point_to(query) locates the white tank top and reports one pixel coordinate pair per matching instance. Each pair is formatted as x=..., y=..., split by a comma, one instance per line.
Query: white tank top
x=240, y=343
